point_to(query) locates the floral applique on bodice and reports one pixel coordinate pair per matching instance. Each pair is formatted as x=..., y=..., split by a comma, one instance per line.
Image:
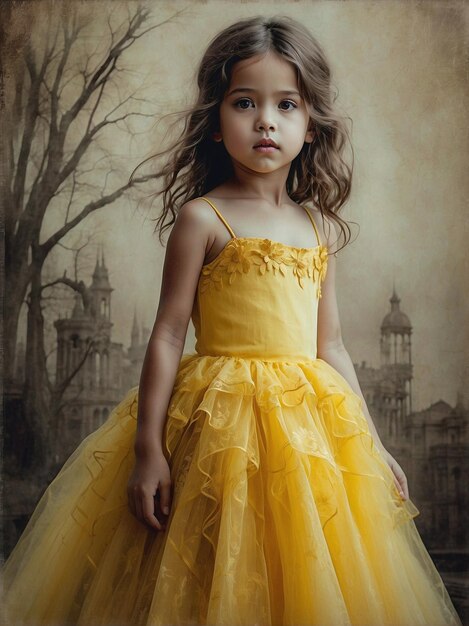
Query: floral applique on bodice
x=245, y=254
x=259, y=298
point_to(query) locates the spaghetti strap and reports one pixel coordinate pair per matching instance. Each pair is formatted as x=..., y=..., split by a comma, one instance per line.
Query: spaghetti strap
x=220, y=216
x=312, y=222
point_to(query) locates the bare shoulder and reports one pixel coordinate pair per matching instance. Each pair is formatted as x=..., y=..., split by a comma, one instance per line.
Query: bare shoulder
x=197, y=213
x=194, y=221
x=328, y=228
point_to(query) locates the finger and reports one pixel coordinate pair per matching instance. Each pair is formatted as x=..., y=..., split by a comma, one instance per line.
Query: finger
x=400, y=487
x=148, y=510
x=138, y=507
x=403, y=483
x=397, y=484
x=165, y=497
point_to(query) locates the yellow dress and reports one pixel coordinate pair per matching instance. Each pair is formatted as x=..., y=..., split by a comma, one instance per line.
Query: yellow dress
x=283, y=510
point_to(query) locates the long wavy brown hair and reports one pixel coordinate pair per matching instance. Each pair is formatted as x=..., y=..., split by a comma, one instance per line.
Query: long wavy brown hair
x=319, y=174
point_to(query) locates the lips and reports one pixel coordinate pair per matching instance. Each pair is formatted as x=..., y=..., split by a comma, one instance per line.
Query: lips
x=266, y=142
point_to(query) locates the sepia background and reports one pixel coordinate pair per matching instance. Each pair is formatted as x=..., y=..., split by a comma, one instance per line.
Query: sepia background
x=400, y=70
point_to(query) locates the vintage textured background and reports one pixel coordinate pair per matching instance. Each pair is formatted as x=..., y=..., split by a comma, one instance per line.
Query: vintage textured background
x=401, y=71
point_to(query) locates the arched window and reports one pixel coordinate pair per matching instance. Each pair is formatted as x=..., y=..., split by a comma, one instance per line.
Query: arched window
x=105, y=369
x=97, y=369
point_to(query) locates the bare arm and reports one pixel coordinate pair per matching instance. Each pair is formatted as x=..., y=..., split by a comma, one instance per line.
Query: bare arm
x=330, y=344
x=185, y=253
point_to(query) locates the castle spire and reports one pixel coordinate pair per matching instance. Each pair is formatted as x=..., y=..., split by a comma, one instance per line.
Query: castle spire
x=96, y=267
x=394, y=299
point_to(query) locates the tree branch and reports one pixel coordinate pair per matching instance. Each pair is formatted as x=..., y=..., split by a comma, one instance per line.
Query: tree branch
x=89, y=208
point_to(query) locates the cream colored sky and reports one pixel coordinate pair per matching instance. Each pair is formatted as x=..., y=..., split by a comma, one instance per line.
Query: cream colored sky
x=399, y=69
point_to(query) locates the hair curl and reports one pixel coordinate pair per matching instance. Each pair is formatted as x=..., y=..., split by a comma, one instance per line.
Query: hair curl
x=319, y=174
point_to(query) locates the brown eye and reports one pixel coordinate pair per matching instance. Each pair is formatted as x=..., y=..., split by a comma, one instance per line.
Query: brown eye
x=288, y=102
x=242, y=100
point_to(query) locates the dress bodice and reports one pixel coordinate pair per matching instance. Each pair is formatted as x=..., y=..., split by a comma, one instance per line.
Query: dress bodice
x=259, y=298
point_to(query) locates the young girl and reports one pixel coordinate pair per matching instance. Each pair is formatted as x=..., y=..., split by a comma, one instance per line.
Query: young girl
x=244, y=483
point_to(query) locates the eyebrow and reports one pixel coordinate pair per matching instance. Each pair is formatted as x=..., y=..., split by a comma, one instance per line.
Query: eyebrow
x=282, y=91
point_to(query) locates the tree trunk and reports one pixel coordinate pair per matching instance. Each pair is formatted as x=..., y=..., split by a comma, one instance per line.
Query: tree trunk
x=17, y=278
x=12, y=310
x=37, y=385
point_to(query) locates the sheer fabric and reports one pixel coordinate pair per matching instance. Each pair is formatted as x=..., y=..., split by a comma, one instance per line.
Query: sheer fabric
x=284, y=512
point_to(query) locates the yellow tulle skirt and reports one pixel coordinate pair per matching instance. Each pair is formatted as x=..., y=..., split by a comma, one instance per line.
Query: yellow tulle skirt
x=283, y=512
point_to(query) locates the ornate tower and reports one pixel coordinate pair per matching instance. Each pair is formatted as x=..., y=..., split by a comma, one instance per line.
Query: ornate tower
x=89, y=363
x=90, y=320
x=101, y=291
x=396, y=364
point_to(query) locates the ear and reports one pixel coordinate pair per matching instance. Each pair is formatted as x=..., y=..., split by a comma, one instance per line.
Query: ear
x=217, y=136
x=310, y=133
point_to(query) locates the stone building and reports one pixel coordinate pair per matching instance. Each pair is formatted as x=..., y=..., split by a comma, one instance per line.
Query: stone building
x=98, y=371
x=431, y=445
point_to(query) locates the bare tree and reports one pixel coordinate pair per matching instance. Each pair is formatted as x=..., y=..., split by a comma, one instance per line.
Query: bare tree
x=65, y=97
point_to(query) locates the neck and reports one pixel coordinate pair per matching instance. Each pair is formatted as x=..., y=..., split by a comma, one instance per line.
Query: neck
x=267, y=186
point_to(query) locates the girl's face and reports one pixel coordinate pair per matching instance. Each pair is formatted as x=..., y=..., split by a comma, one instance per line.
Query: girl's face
x=263, y=102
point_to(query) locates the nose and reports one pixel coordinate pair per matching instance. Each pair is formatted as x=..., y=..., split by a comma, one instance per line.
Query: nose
x=265, y=120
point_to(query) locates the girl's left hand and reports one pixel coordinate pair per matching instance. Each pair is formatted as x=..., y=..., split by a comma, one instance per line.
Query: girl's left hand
x=399, y=475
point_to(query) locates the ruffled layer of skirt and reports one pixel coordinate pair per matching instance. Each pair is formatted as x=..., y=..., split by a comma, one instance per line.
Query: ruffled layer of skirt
x=283, y=512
